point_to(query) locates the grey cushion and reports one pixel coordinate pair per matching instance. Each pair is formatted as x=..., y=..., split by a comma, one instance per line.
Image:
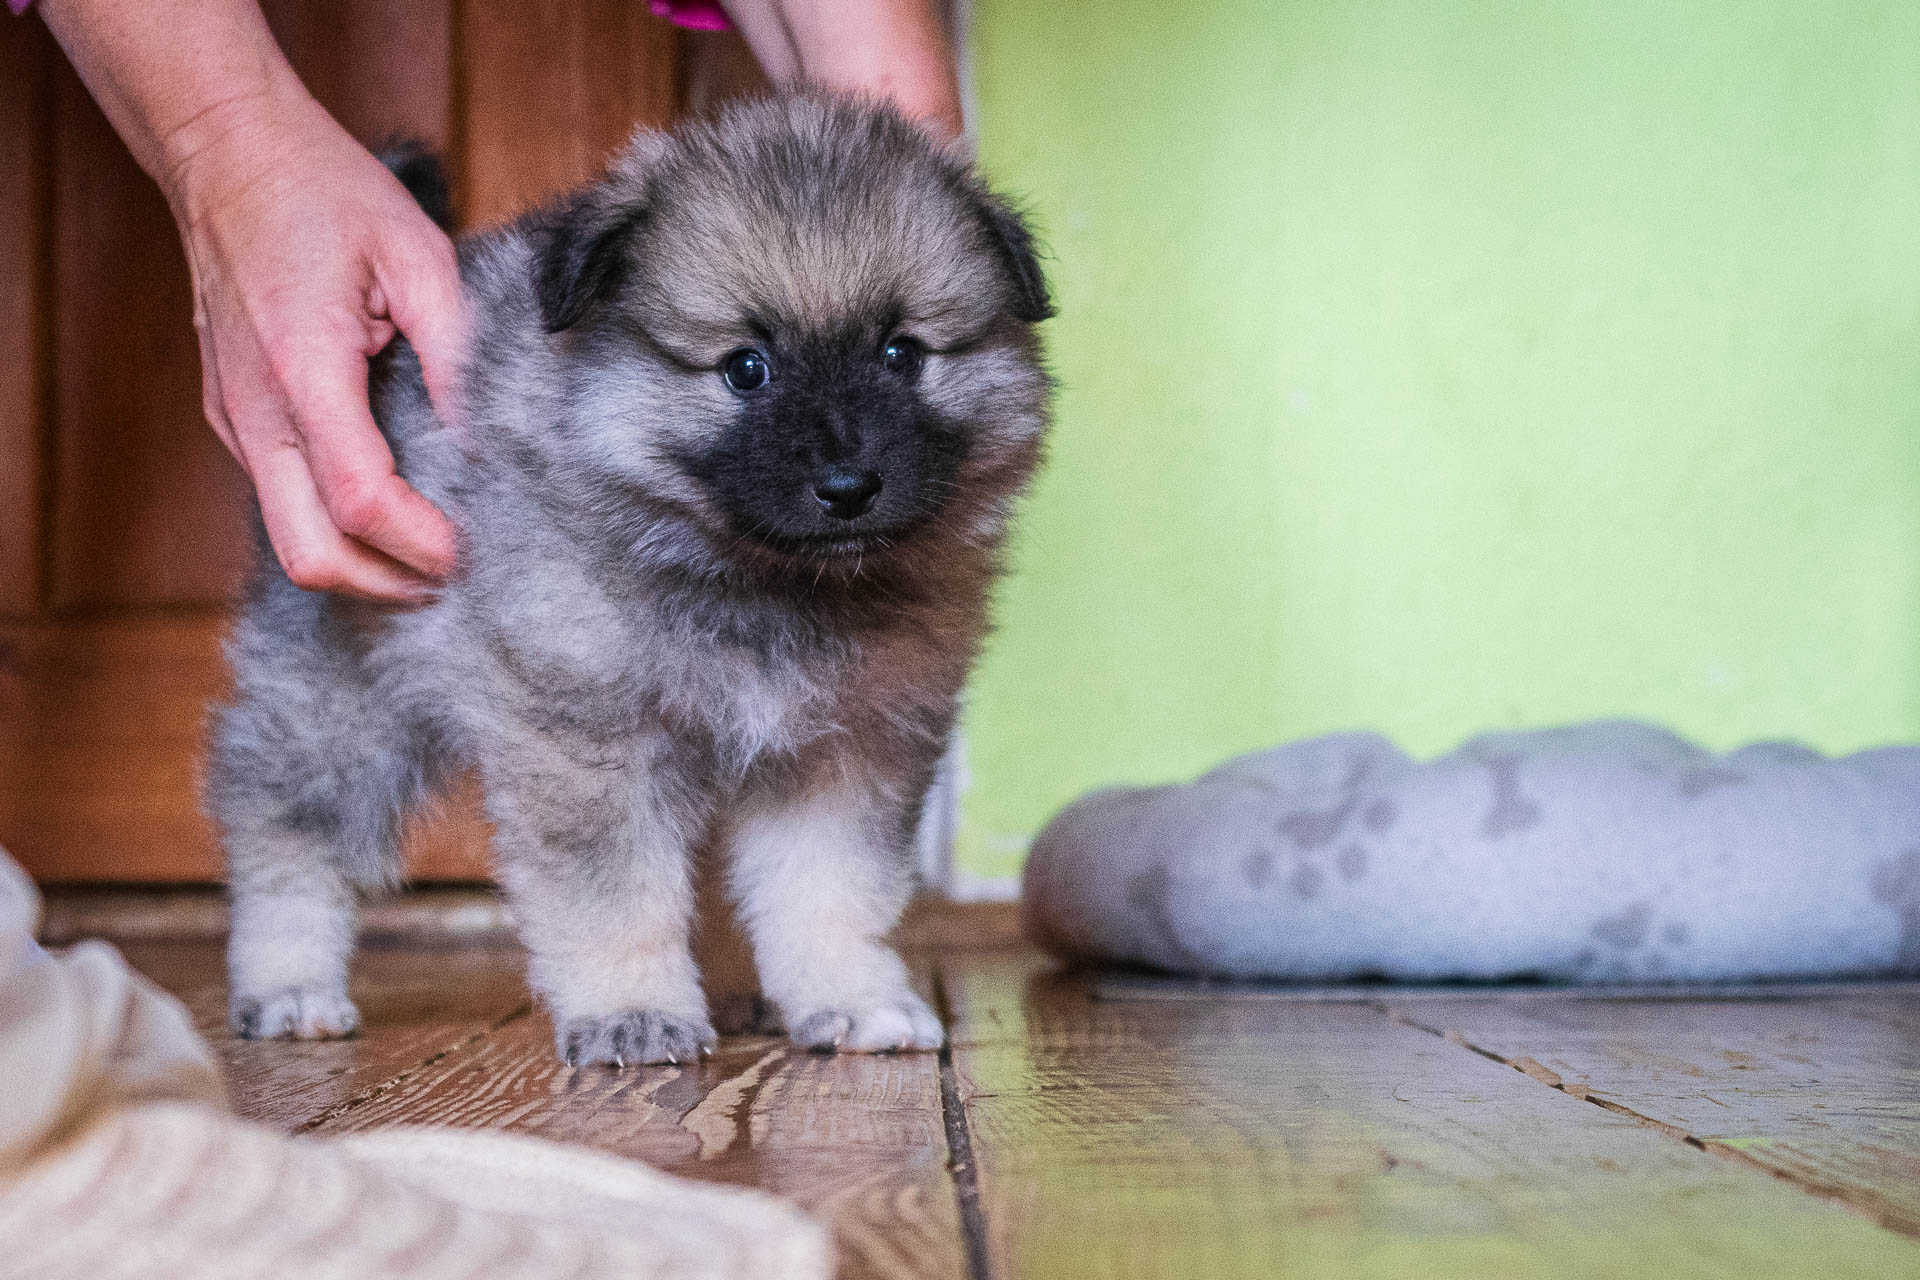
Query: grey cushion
x=1602, y=852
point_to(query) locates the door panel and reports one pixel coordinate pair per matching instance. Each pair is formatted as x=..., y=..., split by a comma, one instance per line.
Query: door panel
x=123, y=524
x=101, y=725
x=550, y=91
x=148, y=508
x=384, y=68
x=26, y=54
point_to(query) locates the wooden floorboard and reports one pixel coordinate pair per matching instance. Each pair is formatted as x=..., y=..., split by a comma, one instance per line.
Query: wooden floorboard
x=418, y=1005
x=1119, y=1127
x=856, y=1139
x=1247, y=1138
x=448, y=1038
x=1822, y=1091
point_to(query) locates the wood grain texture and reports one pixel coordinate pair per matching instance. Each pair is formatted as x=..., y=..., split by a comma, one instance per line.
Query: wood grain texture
x=857, y=1140
x=148, y=507
x=383, y=68
x=419, y=1003
x=1216, y=1135
x=549, y=92
x=1821, y=1090
x=1242, y=1138
x=101, y=724
x=26, y=67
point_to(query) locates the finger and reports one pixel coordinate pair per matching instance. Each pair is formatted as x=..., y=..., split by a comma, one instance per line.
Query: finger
x=421, y=286
x=314, y=553
x=352, y=468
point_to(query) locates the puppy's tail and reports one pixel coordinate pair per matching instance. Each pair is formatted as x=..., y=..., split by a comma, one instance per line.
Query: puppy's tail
x=423, y=174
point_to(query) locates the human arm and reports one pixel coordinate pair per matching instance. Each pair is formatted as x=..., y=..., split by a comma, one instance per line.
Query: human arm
x=896, y=49
x=306, y=258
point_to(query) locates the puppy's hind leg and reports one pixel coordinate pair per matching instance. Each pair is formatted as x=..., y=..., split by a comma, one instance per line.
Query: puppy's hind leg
x=293, y=915
x=309, y=807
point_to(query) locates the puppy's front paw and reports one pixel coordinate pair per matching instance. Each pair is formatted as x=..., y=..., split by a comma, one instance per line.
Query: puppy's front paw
x=293, y=1015
x=900, y=1022
x=634, y=1037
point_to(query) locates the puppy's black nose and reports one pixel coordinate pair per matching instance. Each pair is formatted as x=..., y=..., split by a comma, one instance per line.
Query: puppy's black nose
x=846, y=493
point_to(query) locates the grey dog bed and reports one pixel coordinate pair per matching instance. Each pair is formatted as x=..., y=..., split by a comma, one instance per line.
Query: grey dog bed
x=1600, y=852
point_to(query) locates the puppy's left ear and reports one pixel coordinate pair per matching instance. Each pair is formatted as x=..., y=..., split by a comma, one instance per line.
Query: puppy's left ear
x=1018, y=256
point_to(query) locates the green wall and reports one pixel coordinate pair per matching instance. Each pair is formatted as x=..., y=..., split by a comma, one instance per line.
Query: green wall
x=1431, y=367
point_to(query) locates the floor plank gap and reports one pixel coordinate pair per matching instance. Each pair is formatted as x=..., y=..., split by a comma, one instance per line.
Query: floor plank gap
x=1870, y=1209
x=1842, y=1196
x=960, y=1163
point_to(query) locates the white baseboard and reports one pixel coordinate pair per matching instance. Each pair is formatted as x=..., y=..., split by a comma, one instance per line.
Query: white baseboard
x=964, y=886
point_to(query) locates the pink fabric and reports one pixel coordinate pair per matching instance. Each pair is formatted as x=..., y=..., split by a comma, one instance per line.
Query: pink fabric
x=695, y=15
x=19, y=6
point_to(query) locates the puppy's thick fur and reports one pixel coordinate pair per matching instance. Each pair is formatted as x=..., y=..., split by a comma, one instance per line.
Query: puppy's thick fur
x=695, y=605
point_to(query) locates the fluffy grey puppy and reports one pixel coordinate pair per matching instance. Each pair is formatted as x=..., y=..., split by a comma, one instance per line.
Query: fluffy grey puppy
x=741, y=427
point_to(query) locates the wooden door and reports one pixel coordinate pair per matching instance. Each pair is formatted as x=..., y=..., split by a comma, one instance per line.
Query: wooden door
x=123, y=524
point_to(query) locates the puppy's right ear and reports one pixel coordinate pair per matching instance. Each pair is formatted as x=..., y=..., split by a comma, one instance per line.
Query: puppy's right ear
x=580, y=251
x=582, y=247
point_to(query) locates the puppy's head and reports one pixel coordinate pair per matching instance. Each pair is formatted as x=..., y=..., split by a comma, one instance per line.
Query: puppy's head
x=802, y=333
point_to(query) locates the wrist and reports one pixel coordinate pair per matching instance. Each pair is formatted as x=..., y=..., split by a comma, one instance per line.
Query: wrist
x=175, y=77
x=225, y=134
x=256, y=140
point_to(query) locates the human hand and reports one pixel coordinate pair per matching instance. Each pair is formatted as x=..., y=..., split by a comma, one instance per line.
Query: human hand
x=307, y=256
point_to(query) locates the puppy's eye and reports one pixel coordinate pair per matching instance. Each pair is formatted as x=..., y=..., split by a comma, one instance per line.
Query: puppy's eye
x=746, y=370
x=902, y=355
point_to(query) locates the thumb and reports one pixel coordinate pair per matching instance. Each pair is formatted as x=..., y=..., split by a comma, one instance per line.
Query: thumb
x=424, y=300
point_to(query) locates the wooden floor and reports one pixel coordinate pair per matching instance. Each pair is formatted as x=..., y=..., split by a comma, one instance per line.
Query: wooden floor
x=1127, y=1127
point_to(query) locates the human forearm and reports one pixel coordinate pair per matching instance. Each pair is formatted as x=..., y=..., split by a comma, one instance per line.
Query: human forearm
x=174, y=76
x=897, y=49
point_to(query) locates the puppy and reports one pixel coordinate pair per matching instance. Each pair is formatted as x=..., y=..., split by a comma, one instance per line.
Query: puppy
x=741, y=427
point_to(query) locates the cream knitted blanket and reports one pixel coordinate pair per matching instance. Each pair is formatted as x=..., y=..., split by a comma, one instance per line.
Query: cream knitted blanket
x=118, y=1158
